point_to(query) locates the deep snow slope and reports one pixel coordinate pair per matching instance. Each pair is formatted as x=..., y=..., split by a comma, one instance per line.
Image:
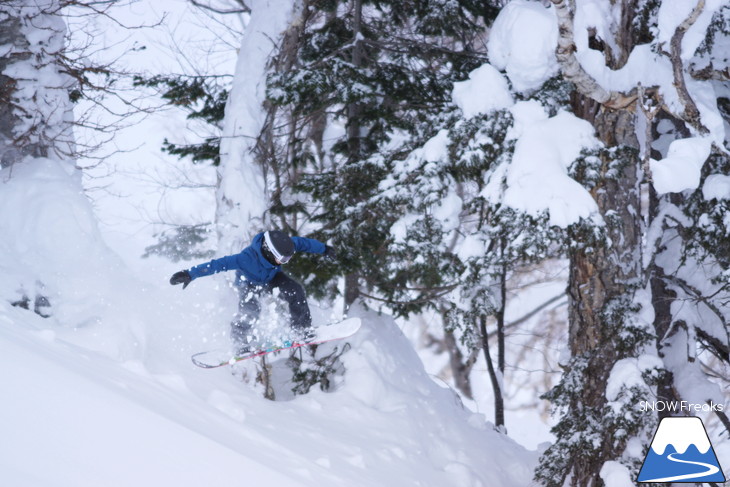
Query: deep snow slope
x=102, y=392
x=75, y=417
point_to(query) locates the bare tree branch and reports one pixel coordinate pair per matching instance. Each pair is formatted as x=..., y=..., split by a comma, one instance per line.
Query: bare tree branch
x=710, y=73
x=691, y=113
x=535, y=311
x=243, y=9
x=724, y=419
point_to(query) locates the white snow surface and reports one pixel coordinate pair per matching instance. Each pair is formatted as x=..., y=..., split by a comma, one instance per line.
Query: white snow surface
x=627, y=373
x=103, y=391
x=522, y=42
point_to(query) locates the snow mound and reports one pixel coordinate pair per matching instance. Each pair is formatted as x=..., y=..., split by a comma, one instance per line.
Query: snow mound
x=522, y=43
x=485, y=90
x=50, y=241
x=93, y=420
x=53, y=255
x=459, y=447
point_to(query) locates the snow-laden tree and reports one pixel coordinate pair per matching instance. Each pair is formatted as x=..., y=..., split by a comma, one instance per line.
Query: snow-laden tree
x=35, y=123
x=646, y=300
x=247, y=175
x=625, y=186
x=35, y=113
x=363, y=82
x=597, y=132
x=625, y=179
x=376, y=157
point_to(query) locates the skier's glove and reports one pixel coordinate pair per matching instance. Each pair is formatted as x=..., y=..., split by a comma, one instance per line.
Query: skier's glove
x=330, y=253
x=182, y=277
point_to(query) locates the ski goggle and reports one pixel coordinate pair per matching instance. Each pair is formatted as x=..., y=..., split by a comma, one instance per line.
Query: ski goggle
x=280, y=258
x=283, y=259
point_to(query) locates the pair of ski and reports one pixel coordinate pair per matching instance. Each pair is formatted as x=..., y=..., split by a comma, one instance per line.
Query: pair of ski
x=322, y=334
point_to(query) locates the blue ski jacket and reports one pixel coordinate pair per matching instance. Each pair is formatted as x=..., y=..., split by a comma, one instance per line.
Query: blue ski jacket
x=251, y=263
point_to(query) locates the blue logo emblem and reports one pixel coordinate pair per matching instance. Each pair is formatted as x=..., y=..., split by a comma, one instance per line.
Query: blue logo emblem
x=681, y=452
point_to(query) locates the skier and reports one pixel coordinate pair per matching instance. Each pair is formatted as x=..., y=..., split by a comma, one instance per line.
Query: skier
x=258, y=270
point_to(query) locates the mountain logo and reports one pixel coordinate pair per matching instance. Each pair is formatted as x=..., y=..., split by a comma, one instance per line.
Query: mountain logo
x=681, y=452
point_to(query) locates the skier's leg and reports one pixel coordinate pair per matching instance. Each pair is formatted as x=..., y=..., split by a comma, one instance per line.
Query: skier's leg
x=242, y=328
x=293, y=293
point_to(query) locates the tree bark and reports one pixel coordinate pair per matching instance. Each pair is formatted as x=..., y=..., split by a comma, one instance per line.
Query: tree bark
x=691, y=113
x=459, y=369
x=352, y=282
x=493, y=374
x=603, y=278
x=572, y=69
x=600, y=280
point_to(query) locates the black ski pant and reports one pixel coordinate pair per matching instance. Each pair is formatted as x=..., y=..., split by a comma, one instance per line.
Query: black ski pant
x=249, y=306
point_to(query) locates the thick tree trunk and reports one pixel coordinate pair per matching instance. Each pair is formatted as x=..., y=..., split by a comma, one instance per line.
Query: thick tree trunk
x=244, y=177
x=603, y=279
x=601, y=284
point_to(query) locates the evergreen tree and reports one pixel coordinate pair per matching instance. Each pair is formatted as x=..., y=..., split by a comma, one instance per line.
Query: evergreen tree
x=35, y=113
x=377, y=73
x=204, y=98
x=622, y=294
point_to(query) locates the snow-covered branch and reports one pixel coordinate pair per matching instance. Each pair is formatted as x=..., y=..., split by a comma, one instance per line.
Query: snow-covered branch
x=691, y=113
x=572, y=69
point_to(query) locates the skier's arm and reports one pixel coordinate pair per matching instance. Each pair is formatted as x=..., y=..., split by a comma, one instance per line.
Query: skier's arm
x=216, y=265
x=310, y=245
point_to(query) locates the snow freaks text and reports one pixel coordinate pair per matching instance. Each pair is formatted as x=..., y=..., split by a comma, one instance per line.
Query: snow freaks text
x=680, y=406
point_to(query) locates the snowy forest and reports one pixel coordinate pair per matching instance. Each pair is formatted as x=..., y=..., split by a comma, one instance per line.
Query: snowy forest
x=529, y=202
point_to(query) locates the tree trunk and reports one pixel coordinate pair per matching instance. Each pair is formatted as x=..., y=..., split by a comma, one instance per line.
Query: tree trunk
x=352, y=290
x=494, y=376
x=352, y=284
x=459, y=370
x=602, y=283
x=242, y=196
x=604, y=277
